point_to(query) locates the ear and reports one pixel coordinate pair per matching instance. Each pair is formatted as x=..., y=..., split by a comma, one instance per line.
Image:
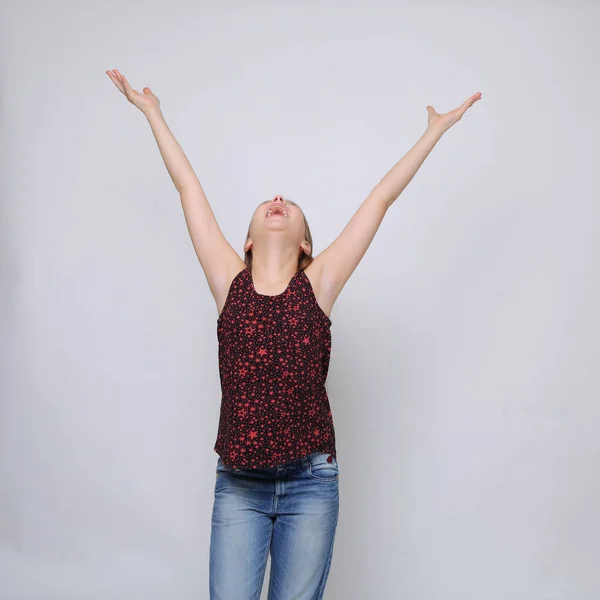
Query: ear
x=248, y=245
x=305, y=247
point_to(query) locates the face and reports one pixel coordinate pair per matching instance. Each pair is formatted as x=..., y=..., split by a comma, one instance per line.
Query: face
x=278, y=214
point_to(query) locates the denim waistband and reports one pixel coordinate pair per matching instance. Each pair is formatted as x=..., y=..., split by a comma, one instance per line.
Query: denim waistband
x=301, y=463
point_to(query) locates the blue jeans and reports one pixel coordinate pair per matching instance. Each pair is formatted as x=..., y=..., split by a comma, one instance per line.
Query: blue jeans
x=290, y=511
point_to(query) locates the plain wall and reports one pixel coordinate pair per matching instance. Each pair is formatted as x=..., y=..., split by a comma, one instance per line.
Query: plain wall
x=462, y=380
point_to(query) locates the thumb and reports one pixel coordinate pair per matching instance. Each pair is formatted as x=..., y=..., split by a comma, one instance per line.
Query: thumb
x=147, y=90
x=430, y=110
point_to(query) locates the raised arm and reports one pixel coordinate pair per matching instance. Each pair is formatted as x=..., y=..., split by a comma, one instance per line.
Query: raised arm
x=220, y=262
x=333, y=267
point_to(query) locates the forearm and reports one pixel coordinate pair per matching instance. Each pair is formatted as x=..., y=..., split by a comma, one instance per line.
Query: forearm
x=401, y=174
x=178, y=166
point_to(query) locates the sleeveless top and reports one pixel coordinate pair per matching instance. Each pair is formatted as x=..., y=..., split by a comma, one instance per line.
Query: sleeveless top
x=273, y=361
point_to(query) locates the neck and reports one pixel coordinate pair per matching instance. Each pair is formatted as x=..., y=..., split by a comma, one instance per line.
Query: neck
x=274, y=267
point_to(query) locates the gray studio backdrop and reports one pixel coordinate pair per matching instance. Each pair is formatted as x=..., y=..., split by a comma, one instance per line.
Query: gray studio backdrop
x=462, y=377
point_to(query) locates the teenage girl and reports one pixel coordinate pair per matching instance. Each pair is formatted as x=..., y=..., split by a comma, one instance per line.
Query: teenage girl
x=277, y=473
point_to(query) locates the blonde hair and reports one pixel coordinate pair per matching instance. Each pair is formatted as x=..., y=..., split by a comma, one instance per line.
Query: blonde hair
x=303, y=259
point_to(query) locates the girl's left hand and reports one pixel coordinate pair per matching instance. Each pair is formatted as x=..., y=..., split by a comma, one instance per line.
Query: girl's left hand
x=445, y=121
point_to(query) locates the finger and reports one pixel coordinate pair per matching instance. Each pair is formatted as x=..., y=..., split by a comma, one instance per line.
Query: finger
x=116, y=81
x=123, y=79
x=127, y=86
x=468, y=103
x=474, y=98
x=116, y=74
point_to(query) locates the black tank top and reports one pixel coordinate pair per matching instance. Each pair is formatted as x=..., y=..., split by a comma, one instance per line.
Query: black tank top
x=273, y=361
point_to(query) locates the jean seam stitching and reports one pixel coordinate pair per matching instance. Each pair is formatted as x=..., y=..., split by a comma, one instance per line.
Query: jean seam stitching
x=265, y=560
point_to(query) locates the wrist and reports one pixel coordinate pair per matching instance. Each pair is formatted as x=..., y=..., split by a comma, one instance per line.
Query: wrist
x=153, y=114
x=435, y=131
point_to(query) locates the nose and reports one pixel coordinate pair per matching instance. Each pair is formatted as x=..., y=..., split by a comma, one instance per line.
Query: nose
x=278, y=199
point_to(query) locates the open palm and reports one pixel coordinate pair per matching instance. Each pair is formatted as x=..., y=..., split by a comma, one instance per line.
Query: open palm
x=446, y=120
x=144, y=101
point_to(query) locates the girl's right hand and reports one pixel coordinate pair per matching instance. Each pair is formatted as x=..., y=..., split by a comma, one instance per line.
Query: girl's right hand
x=146, y=102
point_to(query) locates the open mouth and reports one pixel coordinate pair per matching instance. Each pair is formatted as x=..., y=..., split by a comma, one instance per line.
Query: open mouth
x=277, y=211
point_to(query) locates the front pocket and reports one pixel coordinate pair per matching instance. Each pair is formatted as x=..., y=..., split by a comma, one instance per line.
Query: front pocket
x=323, y=470
x=221, y=468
